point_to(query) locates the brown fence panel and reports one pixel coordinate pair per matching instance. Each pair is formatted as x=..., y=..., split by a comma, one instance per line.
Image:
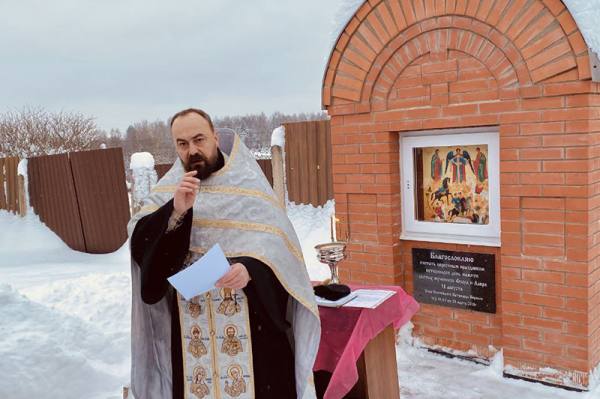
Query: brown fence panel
x=99, y=177
x=3, y=202
x=324, y=160
x=52, y=196
x=267, y=168
x=292, y=153
x=162, y=169
x=308, y=162
x=9, y=192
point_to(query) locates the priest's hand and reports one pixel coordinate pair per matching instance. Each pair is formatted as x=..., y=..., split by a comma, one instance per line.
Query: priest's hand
x=186, y=191
x=237, y=277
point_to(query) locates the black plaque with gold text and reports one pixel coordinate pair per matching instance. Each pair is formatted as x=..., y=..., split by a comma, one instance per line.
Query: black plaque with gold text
x=461, y=280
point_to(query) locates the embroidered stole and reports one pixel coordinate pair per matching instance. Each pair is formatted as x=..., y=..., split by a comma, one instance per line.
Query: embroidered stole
x=216, y=345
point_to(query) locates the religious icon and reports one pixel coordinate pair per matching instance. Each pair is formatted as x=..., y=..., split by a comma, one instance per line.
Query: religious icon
x=231, y=343
x=238, y=385
x=436, y=166
x=457, y=193
x=480, y=165
x=194, y=308
x=458, y=159
x=199, y=387
x=229, y=305
x=196, y=347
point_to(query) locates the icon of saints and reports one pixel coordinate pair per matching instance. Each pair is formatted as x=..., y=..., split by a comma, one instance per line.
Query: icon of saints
x=228, y=305
x=194, y=308
x=199, y=387
x=238, y=385
x=196, y=347
x=231, y=343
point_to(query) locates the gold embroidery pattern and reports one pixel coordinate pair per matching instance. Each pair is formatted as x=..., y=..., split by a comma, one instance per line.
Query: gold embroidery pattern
x=237, y=385
x=198, y=386
x=196, y=347
x=231, y=344
x=194, y=308
x=250, y=226
x=211, y=324
x=228, y=305
x=224, y=190
x=164, y=189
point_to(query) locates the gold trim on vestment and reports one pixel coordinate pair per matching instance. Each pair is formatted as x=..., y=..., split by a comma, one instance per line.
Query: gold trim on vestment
x=164, y=189
x=240, y=191
x=247, y=192
x=178, y=297
x=213, y=343
x=250, y=226
x=249, y=346
x=308, y=306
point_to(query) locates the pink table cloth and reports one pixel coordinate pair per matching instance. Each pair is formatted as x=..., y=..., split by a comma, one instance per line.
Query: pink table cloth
x=346, y=331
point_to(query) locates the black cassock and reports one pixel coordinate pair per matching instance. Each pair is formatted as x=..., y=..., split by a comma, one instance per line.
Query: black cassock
x=161, y=254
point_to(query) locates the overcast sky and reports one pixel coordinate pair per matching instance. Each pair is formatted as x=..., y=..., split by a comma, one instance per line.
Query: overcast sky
x=127, y=60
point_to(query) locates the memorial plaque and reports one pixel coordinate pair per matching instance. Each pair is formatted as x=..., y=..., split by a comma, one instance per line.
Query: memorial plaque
x=461, y=280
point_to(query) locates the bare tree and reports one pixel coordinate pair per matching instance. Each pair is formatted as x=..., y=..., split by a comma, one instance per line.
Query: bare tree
x=34, y=131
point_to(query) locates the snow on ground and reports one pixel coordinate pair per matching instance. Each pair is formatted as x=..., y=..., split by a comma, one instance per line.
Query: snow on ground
x=426, y=375
x=65, y=316
x=65, y=323
x=312, y=227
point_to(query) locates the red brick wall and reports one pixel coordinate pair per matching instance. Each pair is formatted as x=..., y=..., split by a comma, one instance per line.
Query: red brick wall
x=523, y=67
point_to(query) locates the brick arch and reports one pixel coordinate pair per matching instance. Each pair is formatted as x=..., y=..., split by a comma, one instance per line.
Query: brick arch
x=544, y=36
x=419, y=85
x=437, y=44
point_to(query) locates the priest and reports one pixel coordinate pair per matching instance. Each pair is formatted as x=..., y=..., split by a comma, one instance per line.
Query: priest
x=256, y=334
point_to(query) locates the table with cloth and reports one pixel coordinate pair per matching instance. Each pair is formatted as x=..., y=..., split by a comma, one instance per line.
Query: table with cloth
x=350, y=335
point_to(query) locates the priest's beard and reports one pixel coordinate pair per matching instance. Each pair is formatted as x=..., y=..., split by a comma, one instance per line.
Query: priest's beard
x=202, y=165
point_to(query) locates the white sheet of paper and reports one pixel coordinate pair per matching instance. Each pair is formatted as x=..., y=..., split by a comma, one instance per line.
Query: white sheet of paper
x=202, y=275
x=369, y=299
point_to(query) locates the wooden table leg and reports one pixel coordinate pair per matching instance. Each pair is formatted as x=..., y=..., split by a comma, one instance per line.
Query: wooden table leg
x=377, y=367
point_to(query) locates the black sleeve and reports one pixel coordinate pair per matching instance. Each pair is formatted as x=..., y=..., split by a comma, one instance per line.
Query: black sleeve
x=158, y=253
x=265, y=293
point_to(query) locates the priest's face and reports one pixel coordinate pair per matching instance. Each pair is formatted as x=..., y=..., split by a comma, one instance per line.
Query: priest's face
x=196, y=144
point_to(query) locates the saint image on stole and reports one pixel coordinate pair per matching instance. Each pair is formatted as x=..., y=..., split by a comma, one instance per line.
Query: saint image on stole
x=231, y=343
x=198, y=386
x=196, y=347
x=228, y=305
x=238, y=385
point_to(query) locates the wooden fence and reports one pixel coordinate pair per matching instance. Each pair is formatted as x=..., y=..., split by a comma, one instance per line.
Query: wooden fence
x=308, y=162
x=9, y=185
x=82, y=197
